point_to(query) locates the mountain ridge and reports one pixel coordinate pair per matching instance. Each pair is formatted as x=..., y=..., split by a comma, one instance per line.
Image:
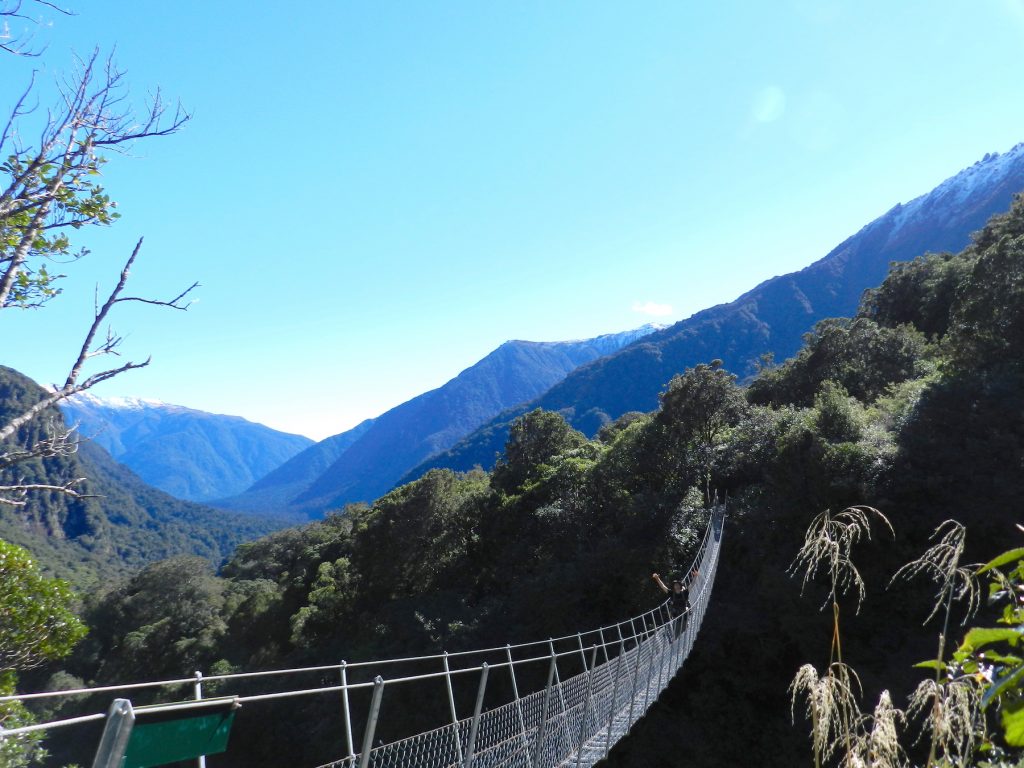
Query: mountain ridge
x=770, y=318
x=191, y=454
x=430, y=422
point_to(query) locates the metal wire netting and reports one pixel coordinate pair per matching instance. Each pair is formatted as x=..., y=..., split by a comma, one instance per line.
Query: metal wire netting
x=570, y=722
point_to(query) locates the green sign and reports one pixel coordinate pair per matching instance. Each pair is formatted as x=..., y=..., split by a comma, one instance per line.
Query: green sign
x=159, y=738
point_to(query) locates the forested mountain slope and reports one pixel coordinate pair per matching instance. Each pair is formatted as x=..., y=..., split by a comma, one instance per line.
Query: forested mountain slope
x=125, y=524
x=275, y=490
x=771, y=318
x=190, y=454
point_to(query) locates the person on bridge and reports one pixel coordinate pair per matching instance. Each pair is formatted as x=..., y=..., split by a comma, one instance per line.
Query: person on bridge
x=678, y=600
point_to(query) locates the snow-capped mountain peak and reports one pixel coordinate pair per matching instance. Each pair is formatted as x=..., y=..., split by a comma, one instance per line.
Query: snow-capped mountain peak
x=958, y=190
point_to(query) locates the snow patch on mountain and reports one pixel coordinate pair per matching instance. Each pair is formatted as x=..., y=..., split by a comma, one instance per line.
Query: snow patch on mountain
x=957, y=190
x=121, y=403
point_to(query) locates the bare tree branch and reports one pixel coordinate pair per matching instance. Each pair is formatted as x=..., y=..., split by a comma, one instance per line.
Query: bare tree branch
x=72, y=385
x=60, y=441
x=19, y=44
x=19, y=111
x=18, y=493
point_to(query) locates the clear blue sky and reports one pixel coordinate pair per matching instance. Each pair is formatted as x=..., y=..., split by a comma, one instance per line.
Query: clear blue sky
x=375, y=195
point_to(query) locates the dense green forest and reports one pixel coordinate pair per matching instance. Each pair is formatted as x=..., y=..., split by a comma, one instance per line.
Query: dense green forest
x=915, y=406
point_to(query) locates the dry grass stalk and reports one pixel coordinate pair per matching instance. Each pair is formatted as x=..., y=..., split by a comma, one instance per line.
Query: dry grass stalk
x=831, y=706
x=880, y=747
x=954, y=703
x=827, y=546
x=941, y=563
x=954, y=719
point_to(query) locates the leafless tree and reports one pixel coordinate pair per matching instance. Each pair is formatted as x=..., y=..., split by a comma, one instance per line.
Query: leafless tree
x=15, y=12
x=50, y=188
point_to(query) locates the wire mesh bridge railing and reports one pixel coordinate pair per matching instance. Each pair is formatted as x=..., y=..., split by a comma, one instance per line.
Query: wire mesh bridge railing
x=570, y=721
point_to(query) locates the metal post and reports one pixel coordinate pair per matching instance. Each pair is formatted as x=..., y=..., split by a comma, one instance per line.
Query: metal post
x=114, y=742
x=668, y=653
x=659, y=645
x=636, y=674
x=677, y=643
x=658, y=640
x=519, y=706
x=604, y=645
x=647, y=678
x=201, y=760
x=583, y=653
x=586, y=707
x=542, y=727
x=687, y=634
x=662, y=654
x=615, y=694
x=474, y=727
x=694, y=620
x=451, y=704
x=658, y=619
x=677, y=655
x=561, y=693
x=371, y=722
x=346, y=708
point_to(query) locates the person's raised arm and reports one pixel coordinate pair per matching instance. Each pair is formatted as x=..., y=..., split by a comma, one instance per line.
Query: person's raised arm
x=659, y=582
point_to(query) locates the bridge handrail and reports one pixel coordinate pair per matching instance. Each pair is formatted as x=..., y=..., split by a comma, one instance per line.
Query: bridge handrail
x=321, y=668
x=85, y=691
x=651, y=622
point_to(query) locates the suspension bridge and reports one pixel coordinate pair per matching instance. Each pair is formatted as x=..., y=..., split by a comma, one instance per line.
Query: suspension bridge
x=596, y=685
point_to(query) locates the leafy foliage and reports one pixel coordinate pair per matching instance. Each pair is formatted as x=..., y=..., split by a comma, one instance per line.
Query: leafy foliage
x=860, y=355
x=36, y=622
x=920, y=292
x=993, y=655
x=36, y=625
x=534, y=440
x=988, y=319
